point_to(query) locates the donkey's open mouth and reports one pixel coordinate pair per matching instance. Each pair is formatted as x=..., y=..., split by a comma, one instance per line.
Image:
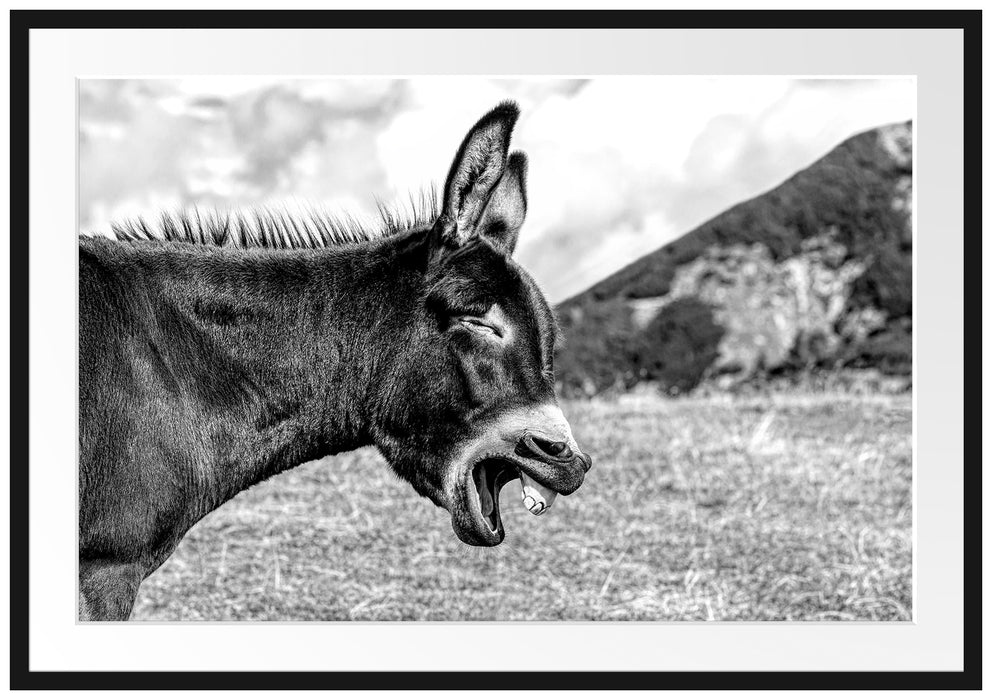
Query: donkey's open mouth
x=533, y=444
x=491, y=474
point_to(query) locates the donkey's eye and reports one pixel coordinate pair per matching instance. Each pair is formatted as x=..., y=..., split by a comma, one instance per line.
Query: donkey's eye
x=478, y=325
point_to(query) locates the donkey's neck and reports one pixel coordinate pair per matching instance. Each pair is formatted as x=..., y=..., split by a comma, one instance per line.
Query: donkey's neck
x=288, y=346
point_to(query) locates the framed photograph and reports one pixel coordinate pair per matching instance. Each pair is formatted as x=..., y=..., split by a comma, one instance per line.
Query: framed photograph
x=505, y=349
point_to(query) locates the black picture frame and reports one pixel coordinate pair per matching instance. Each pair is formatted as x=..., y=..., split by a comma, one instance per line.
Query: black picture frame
x=22, y=22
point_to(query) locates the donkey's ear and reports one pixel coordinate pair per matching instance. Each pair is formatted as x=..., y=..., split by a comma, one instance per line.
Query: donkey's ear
x=507, y=207
x=474, y=175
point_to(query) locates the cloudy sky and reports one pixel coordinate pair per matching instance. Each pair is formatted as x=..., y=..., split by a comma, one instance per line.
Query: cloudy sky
x=618, y=166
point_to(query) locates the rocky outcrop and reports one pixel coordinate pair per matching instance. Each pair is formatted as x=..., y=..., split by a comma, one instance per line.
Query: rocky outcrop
x=775, y=313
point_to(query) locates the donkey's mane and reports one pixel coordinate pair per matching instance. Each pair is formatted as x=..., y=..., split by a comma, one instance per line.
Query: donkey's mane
x=275, y=227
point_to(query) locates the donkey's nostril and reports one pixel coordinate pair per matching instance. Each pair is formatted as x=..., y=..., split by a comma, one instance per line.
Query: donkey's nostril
x=553, y=449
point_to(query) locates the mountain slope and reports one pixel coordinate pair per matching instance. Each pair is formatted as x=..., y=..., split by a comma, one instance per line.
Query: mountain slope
x=814, y=273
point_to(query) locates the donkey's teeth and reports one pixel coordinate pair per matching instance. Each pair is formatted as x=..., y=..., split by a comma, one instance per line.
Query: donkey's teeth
x=536, y=498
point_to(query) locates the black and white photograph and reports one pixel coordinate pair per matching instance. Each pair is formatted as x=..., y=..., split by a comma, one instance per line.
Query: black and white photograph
x=520, y=349
x=473, y=348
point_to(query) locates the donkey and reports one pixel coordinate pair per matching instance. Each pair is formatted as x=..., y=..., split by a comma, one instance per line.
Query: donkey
x=216, y=352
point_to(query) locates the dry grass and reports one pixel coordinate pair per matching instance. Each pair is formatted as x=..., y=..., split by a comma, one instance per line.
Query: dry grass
x=774, y=508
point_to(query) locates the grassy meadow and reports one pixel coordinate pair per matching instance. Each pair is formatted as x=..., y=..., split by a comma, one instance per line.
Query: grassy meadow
x=784, y=507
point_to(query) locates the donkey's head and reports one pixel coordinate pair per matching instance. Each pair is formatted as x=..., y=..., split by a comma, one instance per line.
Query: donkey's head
x=470, y=403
